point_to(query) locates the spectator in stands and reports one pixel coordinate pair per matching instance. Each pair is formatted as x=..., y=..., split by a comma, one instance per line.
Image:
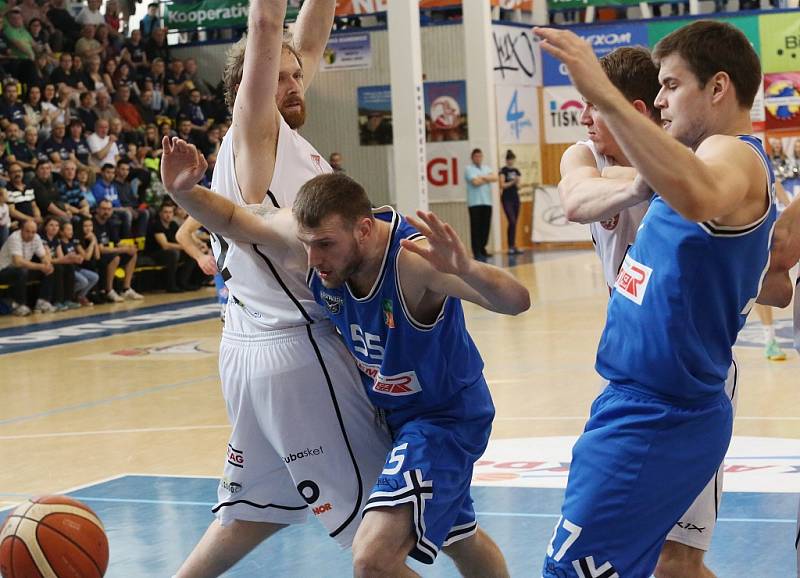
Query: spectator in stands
x=63, y=21
x=129, y=199
x=11, y=109
x=80, y=74
x=90, y=14
x=212, y=143
x=39, y=74
x=134, y=53
x=87, y=46
x=77, y=143
x=37, y=116
x=93, y=76
x=192, y=75
x=113, y=255
x=56, y=107
x=196, y=112
x=86, y=186
x=163, y=247
x=56, y=147
x=122, y=77
x=113, y=22
x=145, y=108
x=13, y=137
x=151, y=20
x=187, y=133
x=105, y=189
x=24, y=258
x=177, y=81
x=69, y=83
x=86, y=112
x=5, y=217
x=156, y=46
x=31, y=10
x=70, y=192
x=20, y=198
x=110, y=49
x=85, y=278
x=27, y=152
x=102, y=145
x=128, y=113
x=41, y=39
x=19, y=40
x=123, y=137
x=151, y=143
x=109, y=70
x=64, y=265
x=335, y=160
x=89, y=249
x=46, y=192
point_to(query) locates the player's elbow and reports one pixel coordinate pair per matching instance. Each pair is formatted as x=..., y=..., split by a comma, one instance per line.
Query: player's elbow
x=519, y=302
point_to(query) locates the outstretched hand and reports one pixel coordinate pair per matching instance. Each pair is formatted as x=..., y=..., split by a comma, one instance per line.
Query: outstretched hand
x=445, y=251
x=578, y=56
x=182, y=165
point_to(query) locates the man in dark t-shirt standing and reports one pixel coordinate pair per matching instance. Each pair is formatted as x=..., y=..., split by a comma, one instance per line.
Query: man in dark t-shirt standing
x=162, y=246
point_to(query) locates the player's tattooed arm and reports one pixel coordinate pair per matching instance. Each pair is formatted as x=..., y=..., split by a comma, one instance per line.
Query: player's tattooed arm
x=439, y=266
x=587, y=196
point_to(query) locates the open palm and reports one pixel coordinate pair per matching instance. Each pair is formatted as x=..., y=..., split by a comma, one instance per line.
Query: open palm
x=445, y=251
x=182, y=165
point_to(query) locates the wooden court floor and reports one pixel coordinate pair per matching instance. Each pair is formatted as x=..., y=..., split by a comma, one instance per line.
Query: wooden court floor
x=146, y=399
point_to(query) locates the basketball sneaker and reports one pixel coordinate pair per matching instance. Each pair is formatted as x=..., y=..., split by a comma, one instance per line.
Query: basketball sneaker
x=43, y=306
x=773, y=352
x=113, y=297
x=21, y=311
x=130, y=295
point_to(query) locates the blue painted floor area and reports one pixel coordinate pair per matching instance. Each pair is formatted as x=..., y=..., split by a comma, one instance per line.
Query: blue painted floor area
x=154, y=522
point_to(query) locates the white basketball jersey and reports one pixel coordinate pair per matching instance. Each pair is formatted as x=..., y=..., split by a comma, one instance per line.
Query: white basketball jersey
x=264, y=294
x=613, y=236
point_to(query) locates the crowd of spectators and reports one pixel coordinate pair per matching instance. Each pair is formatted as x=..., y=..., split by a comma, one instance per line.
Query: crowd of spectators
x=84, y=105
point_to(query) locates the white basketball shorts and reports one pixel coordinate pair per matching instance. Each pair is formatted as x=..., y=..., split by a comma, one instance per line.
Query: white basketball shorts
x=305, y=437
x=696, y=526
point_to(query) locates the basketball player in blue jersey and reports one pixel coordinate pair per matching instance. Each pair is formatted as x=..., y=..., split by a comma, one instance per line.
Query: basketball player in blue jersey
x=595, y=180
x=395, y=297
x=660, y=430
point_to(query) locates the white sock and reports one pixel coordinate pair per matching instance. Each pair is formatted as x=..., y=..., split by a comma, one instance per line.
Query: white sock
x=769, y=333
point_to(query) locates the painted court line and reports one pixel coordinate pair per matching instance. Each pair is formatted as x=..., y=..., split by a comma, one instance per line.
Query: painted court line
x=488, y=514
x=106, y=400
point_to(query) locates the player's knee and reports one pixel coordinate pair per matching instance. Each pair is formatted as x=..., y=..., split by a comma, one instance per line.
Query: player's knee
x=679, y=561
x=374, y=561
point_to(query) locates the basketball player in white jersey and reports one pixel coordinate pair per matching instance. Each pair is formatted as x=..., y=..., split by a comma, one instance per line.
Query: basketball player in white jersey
x=305, y=439
x=596, y=171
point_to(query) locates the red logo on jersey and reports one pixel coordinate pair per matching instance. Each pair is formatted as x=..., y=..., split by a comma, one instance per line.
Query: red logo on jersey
x=610, y=224
x=326, y=507
x=405, y=383
x=317, y=160
x=633, y=279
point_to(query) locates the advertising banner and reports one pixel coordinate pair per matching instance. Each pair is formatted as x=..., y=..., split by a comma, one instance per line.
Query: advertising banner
x=517, y=56
x=375, y=115
x=444, y=168
x=562, y=110
x=206, y=14
x=603, y=39
x=549, y=223
x=517, y=114
x=347, y=52
x=658, y=29
x=446, y=111
x=352, y=7
x=780, y=41
x=782, y=100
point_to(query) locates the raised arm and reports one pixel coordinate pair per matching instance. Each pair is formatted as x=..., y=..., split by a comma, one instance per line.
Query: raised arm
x=255, y=115
x=586, y=195
x=722, y=181
x=439, y=266
x=182, y=166
x=311, y=33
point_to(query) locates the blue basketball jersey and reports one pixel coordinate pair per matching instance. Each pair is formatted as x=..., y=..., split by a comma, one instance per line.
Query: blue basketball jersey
x=683, y=293
x=408, y=368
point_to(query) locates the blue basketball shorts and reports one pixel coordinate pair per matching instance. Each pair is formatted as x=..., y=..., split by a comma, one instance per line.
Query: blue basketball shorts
x=430, y=467
x=637, y=467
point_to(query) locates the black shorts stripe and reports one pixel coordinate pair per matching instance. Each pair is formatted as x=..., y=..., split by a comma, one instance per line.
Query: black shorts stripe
x=218, y=507
x=461, y=531
x=289, y=294
x=335, y=402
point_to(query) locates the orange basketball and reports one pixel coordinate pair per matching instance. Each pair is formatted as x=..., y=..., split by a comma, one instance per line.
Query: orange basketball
x=53, y=536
